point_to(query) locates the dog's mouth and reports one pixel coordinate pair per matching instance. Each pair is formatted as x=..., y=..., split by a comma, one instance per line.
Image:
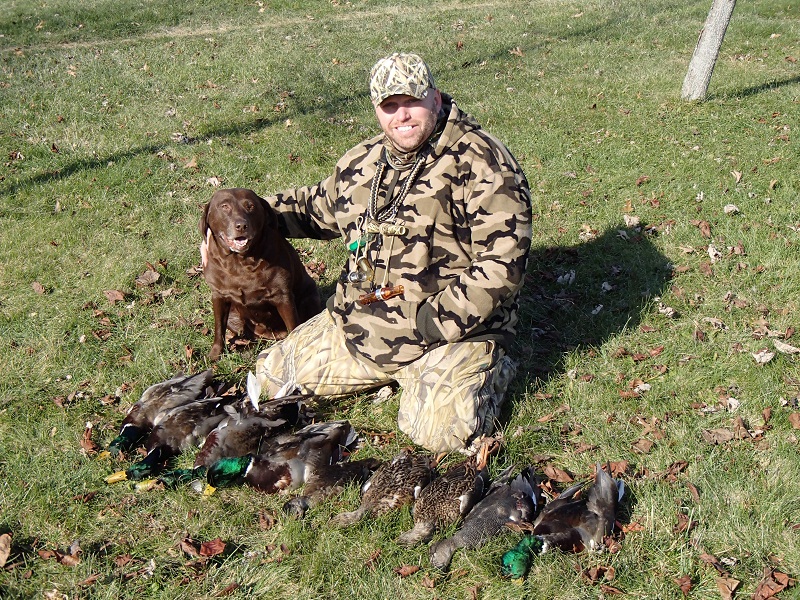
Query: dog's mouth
x=237, y=244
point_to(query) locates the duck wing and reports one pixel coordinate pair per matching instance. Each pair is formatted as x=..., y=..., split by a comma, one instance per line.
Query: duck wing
x=505, y=503
x=159, y=397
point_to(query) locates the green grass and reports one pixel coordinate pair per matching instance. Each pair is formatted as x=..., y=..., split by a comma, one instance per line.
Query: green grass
x=113, y=118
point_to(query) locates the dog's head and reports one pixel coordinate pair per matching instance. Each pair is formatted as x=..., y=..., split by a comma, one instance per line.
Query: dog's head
x=236, y=217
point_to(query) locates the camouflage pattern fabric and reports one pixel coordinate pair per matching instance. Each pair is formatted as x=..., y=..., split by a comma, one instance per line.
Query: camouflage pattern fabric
x=461, y=260
x=450, y=395
x=400, y=73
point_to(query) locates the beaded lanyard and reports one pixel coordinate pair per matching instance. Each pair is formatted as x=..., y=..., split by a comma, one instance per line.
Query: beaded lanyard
x=381, y=222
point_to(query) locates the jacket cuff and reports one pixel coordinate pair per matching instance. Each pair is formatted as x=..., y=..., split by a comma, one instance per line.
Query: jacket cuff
x=426, y=324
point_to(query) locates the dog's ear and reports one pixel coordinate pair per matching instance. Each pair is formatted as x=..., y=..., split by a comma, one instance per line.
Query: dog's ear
x=204, y=220
x=270, y=217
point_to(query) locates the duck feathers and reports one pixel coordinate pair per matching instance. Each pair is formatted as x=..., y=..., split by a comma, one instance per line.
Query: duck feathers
x=396, y=483
x=505, y=503
x=159, y=397
x=244, y=431
x=576, y=523
x=287, y=460
x=446, y=500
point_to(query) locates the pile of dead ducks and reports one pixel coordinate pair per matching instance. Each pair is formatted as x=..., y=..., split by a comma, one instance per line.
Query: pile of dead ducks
x=278, y=446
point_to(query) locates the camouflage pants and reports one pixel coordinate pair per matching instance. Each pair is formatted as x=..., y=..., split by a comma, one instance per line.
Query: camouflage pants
x=450, y=395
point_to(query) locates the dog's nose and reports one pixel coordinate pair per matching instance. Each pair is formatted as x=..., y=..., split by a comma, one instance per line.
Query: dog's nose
x=240, y=226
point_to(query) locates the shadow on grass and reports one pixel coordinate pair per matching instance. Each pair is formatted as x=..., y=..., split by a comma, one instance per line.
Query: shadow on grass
x=754, y=89
x=613, y=278
x=325, y=110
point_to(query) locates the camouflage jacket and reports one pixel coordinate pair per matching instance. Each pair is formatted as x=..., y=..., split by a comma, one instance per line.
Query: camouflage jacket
x=461, y=259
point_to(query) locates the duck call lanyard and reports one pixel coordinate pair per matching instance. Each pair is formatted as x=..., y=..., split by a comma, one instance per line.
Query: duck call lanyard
x=379, y=223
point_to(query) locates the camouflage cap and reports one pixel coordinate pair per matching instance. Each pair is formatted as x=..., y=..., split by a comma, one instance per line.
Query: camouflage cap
x=400, y=73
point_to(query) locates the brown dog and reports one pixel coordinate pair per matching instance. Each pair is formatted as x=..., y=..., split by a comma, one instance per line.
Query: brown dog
x=255, y=275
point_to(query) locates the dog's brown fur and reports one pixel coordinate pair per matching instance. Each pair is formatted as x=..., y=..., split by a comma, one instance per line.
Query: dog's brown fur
x=255, y=275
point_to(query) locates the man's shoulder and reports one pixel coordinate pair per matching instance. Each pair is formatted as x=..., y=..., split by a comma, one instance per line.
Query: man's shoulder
x=362, y=151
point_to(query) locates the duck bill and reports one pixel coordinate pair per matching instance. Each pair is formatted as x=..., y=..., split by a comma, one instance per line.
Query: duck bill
x=117, y=477
x=145, y=485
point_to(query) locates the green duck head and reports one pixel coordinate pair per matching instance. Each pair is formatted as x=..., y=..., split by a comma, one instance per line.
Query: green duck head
x=129, y=436
x=150, y=464
x=517, y=561
x=228, y=471
x=178, y=477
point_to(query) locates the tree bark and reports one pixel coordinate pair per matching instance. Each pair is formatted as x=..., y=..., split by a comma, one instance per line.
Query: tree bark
x=695, y=85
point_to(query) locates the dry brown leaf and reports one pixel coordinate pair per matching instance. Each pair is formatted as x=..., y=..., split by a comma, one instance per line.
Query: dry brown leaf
x=90, y=580
x=642, y=446
x=703, y=226
x=557, y=474
x=187, y=545
x=785, y=348
x=427, y=582
x=373, y=559
x=114, y=296
x=38, y=287
x=684, y=524
x=5, y=548
x=561, y=409
x=684, y=583
x=712, y=560
x=266, y=520
x=147, y=278
x=212, y=547
x=773, y=583
x=406, y=570
x=86, y=440
x=727, y=586
x=693, y=491
x=794, y=419
x=718, y=436
x=227, y=591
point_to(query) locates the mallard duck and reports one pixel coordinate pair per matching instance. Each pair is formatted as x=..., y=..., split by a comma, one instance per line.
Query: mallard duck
x=243, y=431
x=138, y=421
x=395, y=484
x=504, y=503
x=446, y=500
x=287, y=460
x=330, y=481
x=569, y=523
x=175, y=430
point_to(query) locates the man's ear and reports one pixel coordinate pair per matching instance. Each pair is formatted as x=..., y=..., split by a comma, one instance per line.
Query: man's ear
x=437, y=97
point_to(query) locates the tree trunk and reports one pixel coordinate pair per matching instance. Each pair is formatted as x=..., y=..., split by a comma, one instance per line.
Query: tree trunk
x=695, y=85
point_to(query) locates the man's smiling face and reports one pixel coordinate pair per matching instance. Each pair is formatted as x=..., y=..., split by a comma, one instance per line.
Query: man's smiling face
x=407, y=121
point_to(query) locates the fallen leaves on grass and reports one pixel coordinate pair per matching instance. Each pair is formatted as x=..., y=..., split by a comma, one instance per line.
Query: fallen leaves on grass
x=114, y=296
x=406, y=570
x=684, y=583
x=703, y=226
x=558, y=475
x=773, y=583
x=148, y=277
x=206, y=549
x=794, y=419
x=763, y=356
x=372, y=561
x=727, y=586
x=89, y=446
x=785, y=348
x=5, y=548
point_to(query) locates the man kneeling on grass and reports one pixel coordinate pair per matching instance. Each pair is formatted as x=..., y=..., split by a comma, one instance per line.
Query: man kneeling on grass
x=436, y=215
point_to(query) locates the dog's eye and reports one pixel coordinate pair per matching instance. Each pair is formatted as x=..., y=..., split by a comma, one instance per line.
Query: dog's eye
x=225, y=206
x=249, y=206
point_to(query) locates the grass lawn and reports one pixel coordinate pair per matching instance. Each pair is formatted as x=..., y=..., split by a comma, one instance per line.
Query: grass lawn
x=657, y=322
